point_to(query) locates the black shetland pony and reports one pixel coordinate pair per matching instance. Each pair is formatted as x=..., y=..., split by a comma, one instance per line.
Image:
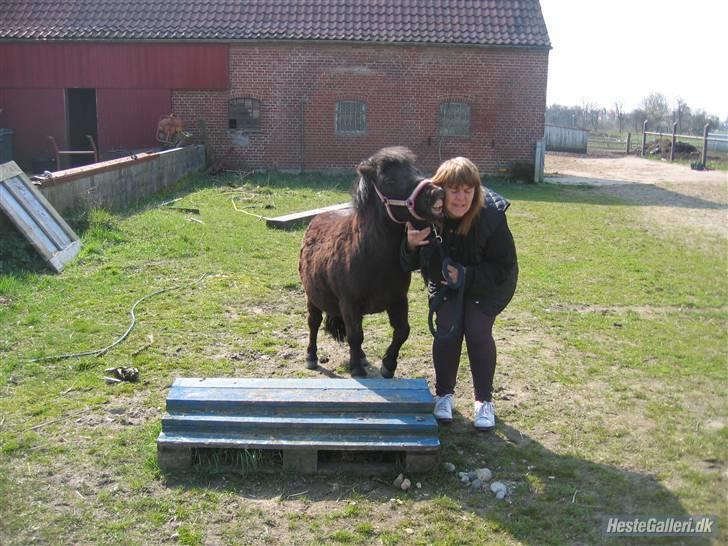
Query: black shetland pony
x=349, y=262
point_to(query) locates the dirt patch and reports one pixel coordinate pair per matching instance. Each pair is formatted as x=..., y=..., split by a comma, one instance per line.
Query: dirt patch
x=672, y=196
x=642, y=311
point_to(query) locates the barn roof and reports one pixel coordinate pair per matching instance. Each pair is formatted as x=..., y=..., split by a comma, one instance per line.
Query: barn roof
x=484, y=22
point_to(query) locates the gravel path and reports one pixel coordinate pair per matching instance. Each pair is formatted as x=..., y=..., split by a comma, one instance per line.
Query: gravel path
x=672, y=195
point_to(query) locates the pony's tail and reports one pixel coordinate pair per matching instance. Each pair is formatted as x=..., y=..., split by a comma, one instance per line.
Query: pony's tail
x=335, y=327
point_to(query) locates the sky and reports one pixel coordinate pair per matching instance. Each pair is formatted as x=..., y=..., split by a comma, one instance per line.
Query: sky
x=621, y=50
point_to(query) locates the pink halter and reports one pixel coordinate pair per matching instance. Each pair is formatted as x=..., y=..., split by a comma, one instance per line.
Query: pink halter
x=409, y=202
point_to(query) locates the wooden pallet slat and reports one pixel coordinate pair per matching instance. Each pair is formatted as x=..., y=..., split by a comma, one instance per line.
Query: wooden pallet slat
x=303, y=384
x=288, y=400
x=328, y=422
x=310, y=440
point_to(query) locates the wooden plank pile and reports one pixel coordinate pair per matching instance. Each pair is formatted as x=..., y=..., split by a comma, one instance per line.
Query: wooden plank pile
x=300, y=417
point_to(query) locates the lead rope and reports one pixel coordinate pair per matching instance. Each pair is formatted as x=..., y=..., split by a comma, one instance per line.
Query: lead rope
x=456, y=289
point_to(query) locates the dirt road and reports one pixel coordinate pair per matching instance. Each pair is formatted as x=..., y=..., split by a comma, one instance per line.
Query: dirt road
x=671, y=195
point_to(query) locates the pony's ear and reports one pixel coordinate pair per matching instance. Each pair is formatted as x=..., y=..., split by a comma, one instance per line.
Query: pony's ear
x=367, y=169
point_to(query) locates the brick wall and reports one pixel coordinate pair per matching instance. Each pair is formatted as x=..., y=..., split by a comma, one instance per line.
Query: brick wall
x=299, y=84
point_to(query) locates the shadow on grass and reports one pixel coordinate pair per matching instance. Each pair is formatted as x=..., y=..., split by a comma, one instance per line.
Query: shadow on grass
x=582, y=190
x=18, y=257
x=554, y=498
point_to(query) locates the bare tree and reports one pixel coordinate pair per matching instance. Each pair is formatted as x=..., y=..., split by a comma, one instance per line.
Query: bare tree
x=656, y=110
x=682, y=112
x=638, y=116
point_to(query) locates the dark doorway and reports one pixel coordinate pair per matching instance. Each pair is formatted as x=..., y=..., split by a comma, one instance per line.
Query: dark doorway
x=81, y=108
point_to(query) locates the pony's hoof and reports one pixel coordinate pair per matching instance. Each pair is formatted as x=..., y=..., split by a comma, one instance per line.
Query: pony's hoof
x=311, y=364
x=358, y=372
x=386, y=372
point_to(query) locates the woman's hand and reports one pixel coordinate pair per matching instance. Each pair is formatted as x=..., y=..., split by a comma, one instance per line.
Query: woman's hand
x=416, y=237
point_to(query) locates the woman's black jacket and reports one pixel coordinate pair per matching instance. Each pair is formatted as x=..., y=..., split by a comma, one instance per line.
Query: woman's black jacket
x=487, y=252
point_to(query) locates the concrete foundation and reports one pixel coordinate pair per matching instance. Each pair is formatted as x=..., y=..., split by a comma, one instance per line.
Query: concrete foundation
x=121, y=183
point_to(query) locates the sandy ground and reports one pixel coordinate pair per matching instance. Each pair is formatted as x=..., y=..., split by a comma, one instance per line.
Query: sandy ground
x=671, y=195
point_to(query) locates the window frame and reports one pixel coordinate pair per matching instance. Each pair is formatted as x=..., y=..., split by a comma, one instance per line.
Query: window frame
x=455, y=127
x=351, y=122
x=251, y=107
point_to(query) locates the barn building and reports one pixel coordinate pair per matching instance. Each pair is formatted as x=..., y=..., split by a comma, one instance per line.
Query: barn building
x=278, y=84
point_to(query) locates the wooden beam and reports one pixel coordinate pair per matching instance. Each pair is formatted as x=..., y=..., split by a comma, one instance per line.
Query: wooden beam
x=301, y=218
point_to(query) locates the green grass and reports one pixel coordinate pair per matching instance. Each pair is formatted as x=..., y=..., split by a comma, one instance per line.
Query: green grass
x=715, y=163
x=610, y=386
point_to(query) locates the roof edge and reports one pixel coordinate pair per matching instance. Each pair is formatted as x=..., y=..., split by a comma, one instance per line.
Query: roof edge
x=266, y=41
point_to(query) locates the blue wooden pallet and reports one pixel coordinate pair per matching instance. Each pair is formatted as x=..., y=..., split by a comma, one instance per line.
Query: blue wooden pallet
x=300, y=417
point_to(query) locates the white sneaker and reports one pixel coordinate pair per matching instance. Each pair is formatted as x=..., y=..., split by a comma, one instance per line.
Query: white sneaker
x=443, y=408
x=484, y=416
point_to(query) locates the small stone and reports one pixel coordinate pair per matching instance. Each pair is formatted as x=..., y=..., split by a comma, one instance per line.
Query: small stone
x=484, y=474
x=465, y=479
x=419, y=485
x=448, y=467
x=476, y=484
x=472, y=474
x=499, y=487
x=462, y=475
x=398, y=481
x=409, y=531
x=500, y=495
x=406, y=484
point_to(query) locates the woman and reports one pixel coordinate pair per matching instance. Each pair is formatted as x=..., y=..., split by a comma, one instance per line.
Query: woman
x=475, y=235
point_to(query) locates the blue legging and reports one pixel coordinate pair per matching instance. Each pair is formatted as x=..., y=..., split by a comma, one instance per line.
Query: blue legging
x=477, y=328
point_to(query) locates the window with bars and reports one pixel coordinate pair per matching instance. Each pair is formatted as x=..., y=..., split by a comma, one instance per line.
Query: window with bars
x=244, y=113
x=454, y=119
x=351, y=116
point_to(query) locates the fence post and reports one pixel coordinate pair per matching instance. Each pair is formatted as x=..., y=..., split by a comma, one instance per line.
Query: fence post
x=539, y=161
x=629, y=137
x=672, y=147
x=644, y=138
x=705, y=143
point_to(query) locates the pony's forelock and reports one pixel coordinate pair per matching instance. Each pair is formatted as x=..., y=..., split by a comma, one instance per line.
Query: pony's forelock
x=372, y=169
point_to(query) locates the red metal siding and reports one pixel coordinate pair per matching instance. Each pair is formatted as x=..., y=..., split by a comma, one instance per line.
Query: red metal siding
x=33, y=114
x=128, y=117
x=119, y=66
